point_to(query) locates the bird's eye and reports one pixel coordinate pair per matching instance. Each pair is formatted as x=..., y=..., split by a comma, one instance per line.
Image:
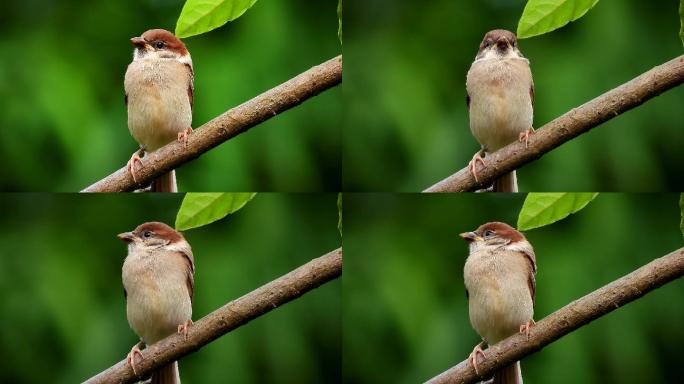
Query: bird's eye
x=159, y=44
x=147, y=234
x=488, y=233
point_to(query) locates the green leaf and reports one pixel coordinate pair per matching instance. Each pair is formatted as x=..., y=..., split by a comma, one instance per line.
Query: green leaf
x=198, y=209
x=339, y=19
x=542, y=16
x=681, y=208
x=681, y=20
x=540, y=209
x=199, y=16
x=339, y=213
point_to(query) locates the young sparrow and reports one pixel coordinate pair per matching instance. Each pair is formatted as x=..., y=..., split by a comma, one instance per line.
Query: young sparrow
x=500, y=287
x=500, y=99
x=159, y=92
x=158, y=285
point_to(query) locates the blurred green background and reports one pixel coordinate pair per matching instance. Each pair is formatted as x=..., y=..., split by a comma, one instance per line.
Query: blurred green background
x=405, y=311
x=406, y=123
x=64, y=313
x=63, y=125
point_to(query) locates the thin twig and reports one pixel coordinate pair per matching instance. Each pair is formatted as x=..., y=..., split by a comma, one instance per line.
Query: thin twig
x=232, y=315
x=567, y=319
x=568, y=126
x=226, y=126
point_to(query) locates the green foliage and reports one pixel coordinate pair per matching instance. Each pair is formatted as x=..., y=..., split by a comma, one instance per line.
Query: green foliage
x=200, y=209
x=339, y=18
x=339, y=212
x=542, y=16
x=67, y=95
x=681, y=20
x=200, y=16
x=406, y=126
x=63, y=295
x=540, y=209
x=681, y=207
x=405, y=310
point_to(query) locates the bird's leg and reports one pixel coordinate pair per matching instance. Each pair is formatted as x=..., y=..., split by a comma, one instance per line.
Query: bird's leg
x=525, y=136
x=473, y=163
x=131, y=356
x=183, y=135
x=131, y=163
x=473, y=356
x=525, y=328
x=183, y=328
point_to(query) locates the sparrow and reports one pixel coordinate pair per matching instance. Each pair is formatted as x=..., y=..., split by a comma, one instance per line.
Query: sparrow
x=158, y=280
x=159, y=93
x=499, y=276
x=500, y=100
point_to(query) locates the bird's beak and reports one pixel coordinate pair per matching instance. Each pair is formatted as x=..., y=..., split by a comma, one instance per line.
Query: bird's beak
x=126, y=236
x=138, y=42
x=470, y=236
x=502, y=43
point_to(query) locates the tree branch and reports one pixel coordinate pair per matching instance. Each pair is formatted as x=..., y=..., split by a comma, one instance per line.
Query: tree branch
x=226, y=126
x=567, y=319
x=230, y=316
x=568, y=126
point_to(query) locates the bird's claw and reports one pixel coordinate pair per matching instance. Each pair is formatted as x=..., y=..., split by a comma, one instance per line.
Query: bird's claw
x=525, y=328
x=473, y=357
x=183, y=328
x=183, y=135
x=525, y=136
x=131, y=357
x=472, y=165
x=131, y=164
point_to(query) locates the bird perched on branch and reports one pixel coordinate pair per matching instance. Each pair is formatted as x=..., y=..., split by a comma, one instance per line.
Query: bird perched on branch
x=159, y=94
x=499, y=276
x=158, y=279
x=500, y=100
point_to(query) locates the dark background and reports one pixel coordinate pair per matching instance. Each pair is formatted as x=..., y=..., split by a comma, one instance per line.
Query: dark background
x=406, y=122
x=64, y=314
x=63, y=122
x=405, y=311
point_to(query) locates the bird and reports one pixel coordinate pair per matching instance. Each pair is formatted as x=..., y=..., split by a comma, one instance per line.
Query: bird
x=158, y=279
x=500, y=100
x=499, y=276
x=159, y=91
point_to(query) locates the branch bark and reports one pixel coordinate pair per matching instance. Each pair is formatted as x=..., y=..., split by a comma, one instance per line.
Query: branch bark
x=567, y=319
x=568, y=126
x=232, y=315
x=226, y=126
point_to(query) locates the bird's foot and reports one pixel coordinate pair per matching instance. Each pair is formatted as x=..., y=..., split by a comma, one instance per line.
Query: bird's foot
x=472, y=165
x=131, y=357
x=183, y=135
x=525, y=136
x=473, y=356
x=525, y=328
x=183, y=328
x=131, y=164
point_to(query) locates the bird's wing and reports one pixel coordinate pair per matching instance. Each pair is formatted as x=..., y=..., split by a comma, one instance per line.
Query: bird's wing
x=189, y=270
x=532, y=93
x=191, y=84
x=531, y=280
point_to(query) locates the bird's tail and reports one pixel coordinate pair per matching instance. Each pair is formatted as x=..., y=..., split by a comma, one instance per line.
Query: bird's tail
x=166, y=375
x=508, y=375
x=506, y=183
x=165, y=183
